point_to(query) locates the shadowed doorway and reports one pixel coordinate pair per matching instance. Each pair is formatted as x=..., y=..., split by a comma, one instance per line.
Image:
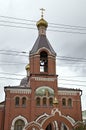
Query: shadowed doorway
x=49, y=127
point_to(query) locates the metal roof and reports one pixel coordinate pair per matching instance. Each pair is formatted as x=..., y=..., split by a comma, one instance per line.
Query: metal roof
x=41, y=42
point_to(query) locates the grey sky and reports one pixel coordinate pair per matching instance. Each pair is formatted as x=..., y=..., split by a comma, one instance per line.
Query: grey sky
x=67, y=12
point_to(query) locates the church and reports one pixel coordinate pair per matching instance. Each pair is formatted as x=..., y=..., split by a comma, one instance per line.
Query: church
x=37, y=103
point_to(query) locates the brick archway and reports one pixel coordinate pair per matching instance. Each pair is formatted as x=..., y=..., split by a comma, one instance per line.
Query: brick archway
x=56, y=116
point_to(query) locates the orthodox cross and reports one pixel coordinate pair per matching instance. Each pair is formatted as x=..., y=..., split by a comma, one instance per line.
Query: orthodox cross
x=42, y=12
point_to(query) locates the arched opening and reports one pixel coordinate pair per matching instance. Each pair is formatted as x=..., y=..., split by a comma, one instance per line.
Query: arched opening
x=70, y=102
x=19, y=125
x=17, y=101
x=50, y=101
x=44, y=91
x=44, y=101
x=63, y=126
x=49, y=127
x=38, y=101
x=63, y=102
x=24, y=101
x=56, y=120
x=43, y=62
x=18, y=120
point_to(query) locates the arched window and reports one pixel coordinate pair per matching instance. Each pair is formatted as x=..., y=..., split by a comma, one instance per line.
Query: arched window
x=43, y=62
x=44, y=96
x=37, y=101
x=70, y=102
x=50, y=101
x=44, y=101
x=63, y=102
x=19, y=124
x=17, y=101
x=24, y=101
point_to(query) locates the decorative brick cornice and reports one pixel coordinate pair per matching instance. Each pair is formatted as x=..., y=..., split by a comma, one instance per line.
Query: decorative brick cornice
x=44, y=79
x=18, y=90
x=1, y=106
x=64, y=92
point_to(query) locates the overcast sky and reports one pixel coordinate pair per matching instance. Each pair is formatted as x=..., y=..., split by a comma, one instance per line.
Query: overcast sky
x=67, y=35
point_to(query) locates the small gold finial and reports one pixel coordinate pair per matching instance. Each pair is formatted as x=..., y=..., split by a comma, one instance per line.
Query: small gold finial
x=42, y=12
x=55, y=101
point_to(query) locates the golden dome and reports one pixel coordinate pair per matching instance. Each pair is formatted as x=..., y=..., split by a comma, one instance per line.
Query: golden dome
x=42, y=22
x=27, y=67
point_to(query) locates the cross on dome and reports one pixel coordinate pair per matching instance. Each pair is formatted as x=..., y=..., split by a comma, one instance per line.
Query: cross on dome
x=42, y=12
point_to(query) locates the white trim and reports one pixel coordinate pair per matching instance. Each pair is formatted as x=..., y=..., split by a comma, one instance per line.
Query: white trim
x=51, y=53
x=21, y=97
x=54, y=110
x=42, y=116
x=71, y=119
x=65, y=92
x=44, y=79
x=17, y=118
x=20, y=90
x=2, y=106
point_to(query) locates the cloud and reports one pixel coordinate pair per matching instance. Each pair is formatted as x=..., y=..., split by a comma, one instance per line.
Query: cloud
x=12, y=62
x=73, y=55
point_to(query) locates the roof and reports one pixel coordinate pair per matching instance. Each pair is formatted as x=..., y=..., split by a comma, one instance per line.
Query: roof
x=26, y=87
x=68, y=89
x=2, y=103
x=41, y=42
x=24, y=82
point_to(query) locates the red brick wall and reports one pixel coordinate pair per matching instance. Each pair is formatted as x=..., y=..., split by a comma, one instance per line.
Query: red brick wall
x=1, y=118
x=75, y=110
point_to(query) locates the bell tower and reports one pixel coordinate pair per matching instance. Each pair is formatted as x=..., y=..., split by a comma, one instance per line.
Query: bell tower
x=42, y=55
x=42, y=59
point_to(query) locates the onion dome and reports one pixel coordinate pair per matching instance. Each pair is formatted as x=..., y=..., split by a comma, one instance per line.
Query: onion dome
x=27, y=67
x=24, y=82
x=42, y=22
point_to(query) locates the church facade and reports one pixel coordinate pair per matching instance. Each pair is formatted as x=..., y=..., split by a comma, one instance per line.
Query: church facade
x=38, y=103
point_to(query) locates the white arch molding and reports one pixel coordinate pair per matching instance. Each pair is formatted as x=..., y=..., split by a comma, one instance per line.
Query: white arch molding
x=17, y=118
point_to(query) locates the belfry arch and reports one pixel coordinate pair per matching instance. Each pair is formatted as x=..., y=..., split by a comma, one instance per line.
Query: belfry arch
x=43, y=61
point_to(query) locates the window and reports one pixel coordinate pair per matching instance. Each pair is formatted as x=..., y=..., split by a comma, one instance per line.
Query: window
x=24, y=101
x=70, y=102
x=50, y=101
x=44, y=102
x=37, y=101
x=17, y=101
x=43, y=62
x=19, y=124
x=63, y=102
x=44, y=96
